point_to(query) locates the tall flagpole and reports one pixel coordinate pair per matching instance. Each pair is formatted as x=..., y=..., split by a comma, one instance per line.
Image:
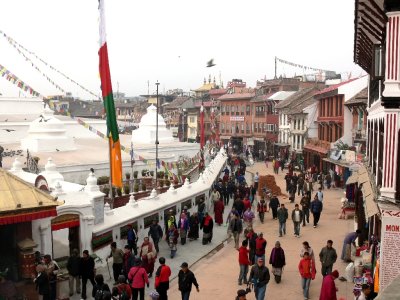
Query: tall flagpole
x=157, y=84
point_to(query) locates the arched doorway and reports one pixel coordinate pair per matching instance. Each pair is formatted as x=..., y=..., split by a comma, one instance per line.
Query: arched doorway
x=65, y=235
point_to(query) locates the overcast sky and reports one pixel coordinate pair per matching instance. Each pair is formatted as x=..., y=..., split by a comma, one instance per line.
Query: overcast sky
x=171, y=41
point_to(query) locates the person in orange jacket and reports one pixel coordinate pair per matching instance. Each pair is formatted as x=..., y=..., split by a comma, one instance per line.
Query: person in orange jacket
x=307, y=273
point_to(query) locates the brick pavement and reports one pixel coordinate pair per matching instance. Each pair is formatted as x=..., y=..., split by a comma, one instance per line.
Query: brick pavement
x=217, y=273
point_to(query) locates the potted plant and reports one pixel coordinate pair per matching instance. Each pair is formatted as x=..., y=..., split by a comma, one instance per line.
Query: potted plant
x=128, y=176
x=135, y=174
x=106, y=191
x=103, y=180
x=119, y=191
x=143, y=186
x=166, y=176
x=126, y=189
x=144, y=172
x=152, y=173
x=114, y=192
x=167, y=183
x=36, y=159
x=136, y=187
x=161, y=182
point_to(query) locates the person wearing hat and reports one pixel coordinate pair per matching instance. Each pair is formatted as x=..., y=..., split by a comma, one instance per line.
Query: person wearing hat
x=74, y=272
x=259, y=276
x=186, y=279
x=329, y=289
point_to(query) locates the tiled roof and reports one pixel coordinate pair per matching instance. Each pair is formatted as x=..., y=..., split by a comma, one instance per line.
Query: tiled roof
x=177, y=102
x=295, y=97
x=281, y=95
x=360, y=98
x=298, y=107
x=334, y=87
x=218, y=91
x=237, y=96
x=262, y=98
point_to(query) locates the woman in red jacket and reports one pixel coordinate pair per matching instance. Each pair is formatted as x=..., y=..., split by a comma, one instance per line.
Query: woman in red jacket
x=307, y=273
x=138, y=278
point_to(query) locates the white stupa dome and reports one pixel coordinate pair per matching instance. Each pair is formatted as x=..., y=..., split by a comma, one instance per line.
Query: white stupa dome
x=146, y=133
x=47, y=134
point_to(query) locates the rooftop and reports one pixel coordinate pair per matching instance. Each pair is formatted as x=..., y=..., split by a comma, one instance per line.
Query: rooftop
x=360, y=98
x=281, y=95
x=177, y=102
x=293, y=104
x=334, y=87
x=238, y=96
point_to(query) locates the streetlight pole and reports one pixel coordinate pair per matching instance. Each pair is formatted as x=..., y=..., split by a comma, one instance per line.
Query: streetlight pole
x=157, y=84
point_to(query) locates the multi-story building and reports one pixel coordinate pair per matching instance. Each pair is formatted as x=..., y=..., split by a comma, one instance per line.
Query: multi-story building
x=334, y=125
x=235, y=116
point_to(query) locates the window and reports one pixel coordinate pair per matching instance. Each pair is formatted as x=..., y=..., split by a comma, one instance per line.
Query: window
x=302, y=124
x=242, y=128
x=247, y=128
x=243, y=109
x=222, y=109
x=192, y=131
x=233, y=129
x=227, y=109
x=222, y=127
x=247, y=110
x=256, y=127
x=269, y=127
x=233, y=109
x=294, y=124
x=191, y=119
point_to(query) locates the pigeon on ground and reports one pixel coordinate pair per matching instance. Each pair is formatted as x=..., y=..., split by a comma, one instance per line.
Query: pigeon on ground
x=9, y=130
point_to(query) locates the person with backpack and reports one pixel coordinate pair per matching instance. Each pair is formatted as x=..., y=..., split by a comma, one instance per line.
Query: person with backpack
x=161, y=282
x=123, y=289
x=100, y=287
x=132, y=239
x=138, y=278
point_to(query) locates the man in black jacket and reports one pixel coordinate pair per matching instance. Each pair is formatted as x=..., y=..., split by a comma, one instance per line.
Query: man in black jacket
x=274, y=205
x=259, y=276
x=186, y=279
x=74, y=272
x=156, y=233
x=87, y=271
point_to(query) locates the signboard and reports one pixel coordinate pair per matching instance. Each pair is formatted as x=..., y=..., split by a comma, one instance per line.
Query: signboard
x=236, y=118
x=390, y=251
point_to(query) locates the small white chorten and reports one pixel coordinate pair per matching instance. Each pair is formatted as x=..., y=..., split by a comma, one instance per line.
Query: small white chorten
x=47, y=134
x=146, y=133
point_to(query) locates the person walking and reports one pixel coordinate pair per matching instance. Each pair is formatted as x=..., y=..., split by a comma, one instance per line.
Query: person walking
x=261, y=209
x=193, y=227
x=259, y=276
x=307, y=273
x=316, y=209
x=329, y=289
x=219, y=212
x=74, y=272
x=236, y=228
x=349, y=240
x=327, y=257
x=274, y=205
x=42, y=283
x=186, y=279
x=123, y=289
x=307, y=248
x=161, y=282
x=132, y=239
x=207, y=226
x=282, y=215
x=138, y=278
x=277, y=260
x=261, y=244
x=297, y=217
x=118, y=259
x=248, y=217
x=305, y=207
x=320, y=195
x=251, y=237
x=244, y=263
x=156, y=233
x=87, y=271
x=256, y=180
x=52, y=269
x=148, y=256
x=173, y=235
x=183, y=227
x=128, y=260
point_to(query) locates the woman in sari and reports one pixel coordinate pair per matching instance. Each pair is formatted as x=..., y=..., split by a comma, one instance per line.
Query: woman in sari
x=148, y=255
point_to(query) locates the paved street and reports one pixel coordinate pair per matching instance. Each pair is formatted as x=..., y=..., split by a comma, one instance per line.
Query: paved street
x=217, y=274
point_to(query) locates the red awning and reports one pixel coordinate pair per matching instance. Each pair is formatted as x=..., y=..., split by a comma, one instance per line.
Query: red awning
x=27, y=216
x=66, y=224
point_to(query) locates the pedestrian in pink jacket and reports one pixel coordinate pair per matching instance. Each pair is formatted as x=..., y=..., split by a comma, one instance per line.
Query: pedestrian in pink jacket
x=138, y=278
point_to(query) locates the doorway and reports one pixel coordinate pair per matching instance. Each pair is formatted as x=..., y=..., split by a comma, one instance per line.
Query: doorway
x=65, y=234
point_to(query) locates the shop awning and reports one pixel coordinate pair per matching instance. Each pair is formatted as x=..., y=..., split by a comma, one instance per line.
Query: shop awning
x=371, y=207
